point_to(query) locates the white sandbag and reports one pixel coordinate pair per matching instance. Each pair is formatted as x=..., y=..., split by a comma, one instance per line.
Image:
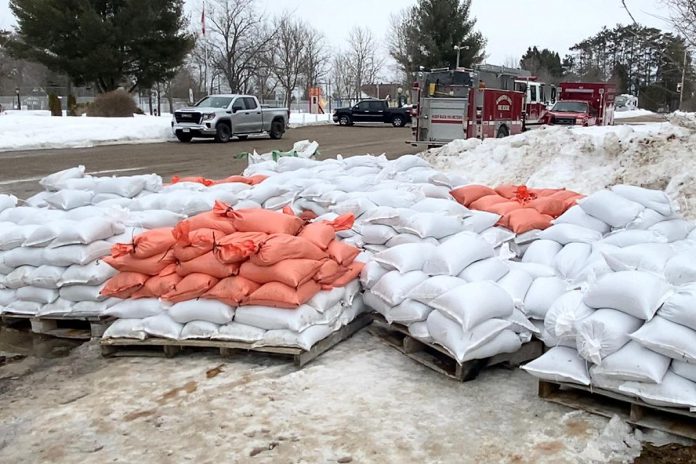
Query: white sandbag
x=516, y=283
x=23, y=307
x=88, y=231
x=75, y=254
x=651, y=257
x=126, y=328
x=235, y=331
x=570, y=233
x=82, y=293
x=46, y=276
x=506, y=341
x=542, y=294
x=201, y=310
x=94, y=273
x=434, y=287
x=13, y=236
x=25, y=256
x=406, y=162
x=93, y=308
x=473, y=303
x=59, y=307
x=305, y=339
x=520, y=323
x=497, y=236
x=572, y=259
x=611, y=208
x=371, y=274
x=560, y=364
x=438, y=205
x=19, y=277
x=79, y=183
x=199, y=330
x=654, y=199
x=69, y=199
x=7, y=296
x=46, y=233
x=394, y=287
x=408, y=312
x=674, y=391
x=37, y=294
x=406, y=258
x=163, y=326
x=533, y=269
x=419, y=330
x=356, y=206
x=681, y=268
x=327, y=299
x=386, y=216
x=458, y=252
x=486, y=269
x=7, y=201
x=153, y=219
x=394, y=198
x=564, y=314
x=432, y=225
x=265, y=317
x=680, y=307
x=403, y=239
x=135, y=309
x=459, y=342
x=624, y=238
x=376, y=303
x=668, y=338
x=604, y=332
x=633, y=362
x=575, y=215
x=684, y=369
x=376, y=234
x=637, y=293
x=674, y=229
x=649, y=218
x=351, y=291
x=542, y=252
x=478, y=221
x=127, y=187
x=55, y=181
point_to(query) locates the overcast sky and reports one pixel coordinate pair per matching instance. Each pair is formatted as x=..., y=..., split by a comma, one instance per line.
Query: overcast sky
x=510, y=26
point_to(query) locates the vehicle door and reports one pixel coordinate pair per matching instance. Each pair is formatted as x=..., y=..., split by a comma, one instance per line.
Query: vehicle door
x=254, y=118
x=238, y=116
x=361, y=112
x=377, y=111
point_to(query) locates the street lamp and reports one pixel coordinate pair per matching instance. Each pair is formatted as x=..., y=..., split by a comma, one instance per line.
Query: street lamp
x=19, y=102
x=459, y=48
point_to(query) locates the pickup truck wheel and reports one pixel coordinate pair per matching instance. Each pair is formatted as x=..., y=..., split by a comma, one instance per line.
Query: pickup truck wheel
x=345, y=120
x=224, y=133
x=502, y=132
x=184, y=138
x=277, y=130
x=398, y=121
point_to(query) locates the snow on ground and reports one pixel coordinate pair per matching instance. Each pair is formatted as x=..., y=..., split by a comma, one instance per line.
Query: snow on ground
x=655, y=155
x=632, y=114
x=307, y=119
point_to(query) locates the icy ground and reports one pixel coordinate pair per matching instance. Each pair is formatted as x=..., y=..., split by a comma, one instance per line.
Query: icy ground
x=362, y=400
x=633, y=114
x=655, y=155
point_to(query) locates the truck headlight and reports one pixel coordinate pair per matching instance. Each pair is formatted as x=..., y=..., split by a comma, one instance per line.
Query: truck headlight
x=208, y=116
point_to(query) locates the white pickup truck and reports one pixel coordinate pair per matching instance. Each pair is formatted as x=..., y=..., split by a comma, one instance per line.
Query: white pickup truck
x=225, y=116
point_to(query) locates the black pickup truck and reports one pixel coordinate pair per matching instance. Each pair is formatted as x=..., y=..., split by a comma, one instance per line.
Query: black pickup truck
x=372, y=111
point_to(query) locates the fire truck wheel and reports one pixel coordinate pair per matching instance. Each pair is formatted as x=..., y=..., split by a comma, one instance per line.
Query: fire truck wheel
x=398, y=121
x=345, y=120
x=502, y=132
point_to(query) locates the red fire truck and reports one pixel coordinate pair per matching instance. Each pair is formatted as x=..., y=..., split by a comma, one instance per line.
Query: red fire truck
x=583, y=104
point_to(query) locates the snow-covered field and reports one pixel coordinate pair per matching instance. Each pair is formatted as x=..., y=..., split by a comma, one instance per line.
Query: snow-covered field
x=632, y=114
x=654, y=155
x=307, y=119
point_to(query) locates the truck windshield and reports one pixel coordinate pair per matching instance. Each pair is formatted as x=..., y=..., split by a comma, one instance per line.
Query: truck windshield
x=215, y=102
x=570, y=107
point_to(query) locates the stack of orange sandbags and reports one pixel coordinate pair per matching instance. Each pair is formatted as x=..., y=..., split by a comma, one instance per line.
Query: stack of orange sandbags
x=240, y=257
x=251, y=180
x=521, y=209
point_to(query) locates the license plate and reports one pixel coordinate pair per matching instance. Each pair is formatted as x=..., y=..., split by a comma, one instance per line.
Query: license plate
x=185, y=130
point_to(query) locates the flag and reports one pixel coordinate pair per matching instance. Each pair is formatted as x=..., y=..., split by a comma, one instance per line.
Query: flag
x=203, y=20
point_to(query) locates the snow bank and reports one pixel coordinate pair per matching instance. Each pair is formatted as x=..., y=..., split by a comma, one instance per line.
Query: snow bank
x=656, y=155
x=307, y=119
x=632, y=114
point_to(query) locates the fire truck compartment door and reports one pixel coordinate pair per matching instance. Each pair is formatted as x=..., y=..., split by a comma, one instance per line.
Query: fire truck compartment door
x=447, y=118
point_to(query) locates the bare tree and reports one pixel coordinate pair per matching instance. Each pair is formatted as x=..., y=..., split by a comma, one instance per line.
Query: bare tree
x=289, y=55
x=682, y=17
x=363, y=63
x=342, y=83
x=318, y=58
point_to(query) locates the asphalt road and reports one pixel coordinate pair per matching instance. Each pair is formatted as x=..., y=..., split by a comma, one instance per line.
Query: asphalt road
x=21, y=170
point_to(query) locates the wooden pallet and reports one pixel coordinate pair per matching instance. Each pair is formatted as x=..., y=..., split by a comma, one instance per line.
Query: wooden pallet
x=115, y=347
x=440, y=360
x=73, y=327
x=606, y=403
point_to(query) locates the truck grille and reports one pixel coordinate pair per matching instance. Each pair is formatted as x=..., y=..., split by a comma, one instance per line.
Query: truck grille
x=564, y=121
x=186, y=116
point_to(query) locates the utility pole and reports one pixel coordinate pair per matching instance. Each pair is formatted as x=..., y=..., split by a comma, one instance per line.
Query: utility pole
x=681, y=91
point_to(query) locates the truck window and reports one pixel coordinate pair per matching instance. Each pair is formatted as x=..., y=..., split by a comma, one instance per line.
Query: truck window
x=363, y=106
x=250, y=103
x=542, y=93
x=533, y=93
x=238, y=105
x=376, y=106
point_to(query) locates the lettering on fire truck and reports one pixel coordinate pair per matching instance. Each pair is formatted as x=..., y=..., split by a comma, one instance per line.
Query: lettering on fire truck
x=503, y=99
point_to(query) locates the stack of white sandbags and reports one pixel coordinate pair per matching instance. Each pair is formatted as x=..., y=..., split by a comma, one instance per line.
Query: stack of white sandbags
x=210, y=319
x=451, y=294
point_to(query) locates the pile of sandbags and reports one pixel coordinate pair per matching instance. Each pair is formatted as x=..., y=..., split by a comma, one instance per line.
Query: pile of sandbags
x=231, y=271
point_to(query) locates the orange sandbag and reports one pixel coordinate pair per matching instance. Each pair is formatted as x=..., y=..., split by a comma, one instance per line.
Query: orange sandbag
x=508, y=191
x=484, y=203
x=232, y=290
x=279, y=247
x=150, y=266
x=342, y=222
x=319, y=233
x=237, y=247
x=329, y=271
x=544, y=192
x=343, y=253
x=232, y=179
x=308, y=215
x=146, y=244
x=279, y=295
x=291, y=272
x=198, y=180
x=503, y=208
x=191, y=287
x=256, y=179
x=350, y=275
x=260, y=220
x=209, y=220
x=470, y=193
x=526, y=219
x=124, y=284
x=572, y=201
x=207, y=264
x=568, y=197
x=157, y=286
x=196, y=243
x=547, y=205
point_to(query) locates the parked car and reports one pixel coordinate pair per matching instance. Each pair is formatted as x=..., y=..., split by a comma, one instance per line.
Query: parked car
x=225, y=116
x=372, y=111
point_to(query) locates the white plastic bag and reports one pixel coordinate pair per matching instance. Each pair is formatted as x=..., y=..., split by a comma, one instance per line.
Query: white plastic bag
x=541, y=295
x=135, y=309
x=516, y=283
x=406, y=258
x=542, y=252
x=486, y=269
x=408, y=312
x=198, y=330
x=394, y=287
x=651, y=257
x=69, y=199
x=604, y=332
x=268, y=318
x=75, y=254
x=37, y=294
x=506, y=341
x=674, y=229
x=82, y=293
x=560, y=364
x=376, y=303
x=432, y=225
x=88, y=231
x=680, y=307
x=654, y=199
x=126, y=328
x=55, y=181
x=564, y=314
x=163, y=326
x=684, y=369
x=577, y=216
x=681, y=268
x=452, y=256
x=473, y=303
x=375, y=234
x=570, y=233
x=633, y=362
x=624, y=238
x=434, y=287
x=213, y=311
x=667, y=338
x=611, y=208
x=95, y=273
x=478, y=221
x=572, y=259
x=674, y=391
x=637, y=293
x=7, y=201
x=419, y=330
x=235, y=331
x=46, y=276
x=371, y=274
x=19, y=277
x=327, y=299
x=305, y=339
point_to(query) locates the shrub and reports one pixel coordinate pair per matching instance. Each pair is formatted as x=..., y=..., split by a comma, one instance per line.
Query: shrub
x=116, y=104
x=54, y=105
x=139, y=111
x=72, y=105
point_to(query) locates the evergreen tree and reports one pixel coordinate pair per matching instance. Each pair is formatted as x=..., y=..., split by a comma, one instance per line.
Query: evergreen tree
x=106, y=42
x=426, y=34
x=545, y=63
